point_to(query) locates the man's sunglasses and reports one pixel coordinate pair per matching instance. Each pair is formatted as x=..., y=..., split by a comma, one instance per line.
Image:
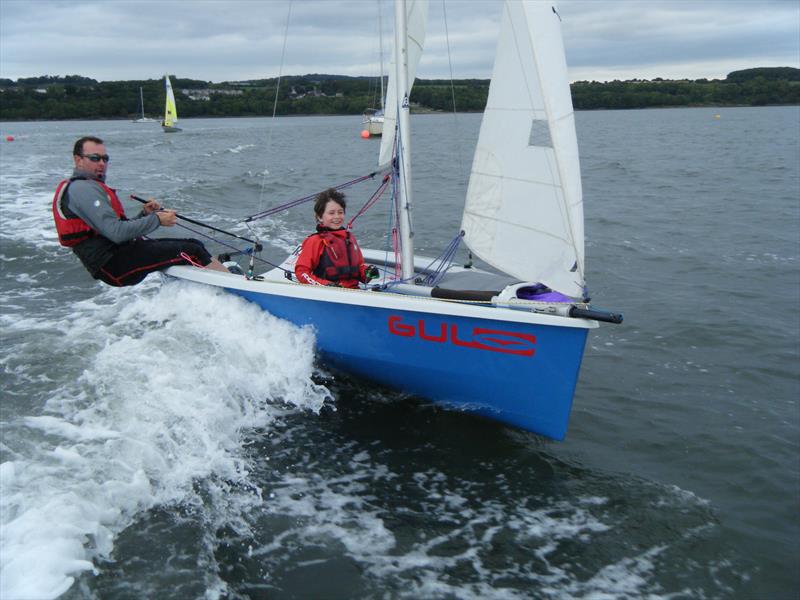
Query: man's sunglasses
x=97, y=157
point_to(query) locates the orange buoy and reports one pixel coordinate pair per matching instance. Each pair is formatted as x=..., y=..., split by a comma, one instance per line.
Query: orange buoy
x=9, y=138
x=365, y=134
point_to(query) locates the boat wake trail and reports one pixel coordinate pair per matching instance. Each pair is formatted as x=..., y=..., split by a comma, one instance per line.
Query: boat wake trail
x=156, y=388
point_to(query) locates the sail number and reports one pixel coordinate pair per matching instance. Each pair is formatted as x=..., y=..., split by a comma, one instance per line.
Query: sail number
x=493, y=340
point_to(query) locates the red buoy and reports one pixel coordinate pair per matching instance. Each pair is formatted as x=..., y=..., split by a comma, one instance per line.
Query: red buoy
x=9, y=138
x=365, y=134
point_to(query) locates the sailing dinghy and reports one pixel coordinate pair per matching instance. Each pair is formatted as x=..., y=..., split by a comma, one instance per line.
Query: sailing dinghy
x=143, y=118
x=505, y=346
x=169, y=124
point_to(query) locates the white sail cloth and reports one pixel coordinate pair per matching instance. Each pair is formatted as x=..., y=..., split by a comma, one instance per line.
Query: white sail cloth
x=524, y=208
x=417, y=15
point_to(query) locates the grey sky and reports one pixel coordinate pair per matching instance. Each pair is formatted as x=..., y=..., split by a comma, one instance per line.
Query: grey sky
x=243, y=39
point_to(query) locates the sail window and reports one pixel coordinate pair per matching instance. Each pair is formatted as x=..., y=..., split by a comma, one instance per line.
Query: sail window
x=540, y=134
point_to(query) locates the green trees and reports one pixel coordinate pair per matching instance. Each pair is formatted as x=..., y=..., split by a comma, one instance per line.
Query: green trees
x=751, y=87
x=767, y=73
x=76, y=97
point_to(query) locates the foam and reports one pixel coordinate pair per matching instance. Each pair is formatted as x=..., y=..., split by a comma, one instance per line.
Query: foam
x=444, y=543
x=23, y=194
x=238, y=148
x=170, y=378
x=338, y=514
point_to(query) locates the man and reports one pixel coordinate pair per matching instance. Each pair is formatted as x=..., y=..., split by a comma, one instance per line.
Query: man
x=90, y=219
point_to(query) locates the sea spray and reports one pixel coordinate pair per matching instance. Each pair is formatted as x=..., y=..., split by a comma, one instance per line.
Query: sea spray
x=171, y=376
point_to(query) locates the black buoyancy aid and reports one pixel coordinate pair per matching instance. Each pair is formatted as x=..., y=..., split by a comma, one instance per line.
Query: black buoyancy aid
x=71, y=229
x=337, y=261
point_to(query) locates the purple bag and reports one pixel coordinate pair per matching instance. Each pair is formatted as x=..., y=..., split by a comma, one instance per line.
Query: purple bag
x=541, y=293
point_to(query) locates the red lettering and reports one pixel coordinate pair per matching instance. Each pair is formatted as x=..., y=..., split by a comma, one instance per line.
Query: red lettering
x=491, y=340
x=398, y=328
x=509, y=342
x=442, y=333
x=458, y=342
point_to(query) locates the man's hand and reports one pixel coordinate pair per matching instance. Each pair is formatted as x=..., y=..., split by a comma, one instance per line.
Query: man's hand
x=151, y=206
x=167, y=218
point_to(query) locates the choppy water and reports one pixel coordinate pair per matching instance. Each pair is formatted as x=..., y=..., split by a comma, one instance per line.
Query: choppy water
x=169, y=441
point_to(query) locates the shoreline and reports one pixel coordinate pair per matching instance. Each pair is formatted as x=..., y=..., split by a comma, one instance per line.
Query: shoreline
x=419, y=112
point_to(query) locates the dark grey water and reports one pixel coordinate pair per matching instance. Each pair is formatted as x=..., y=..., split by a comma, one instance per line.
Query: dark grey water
x=166, y=441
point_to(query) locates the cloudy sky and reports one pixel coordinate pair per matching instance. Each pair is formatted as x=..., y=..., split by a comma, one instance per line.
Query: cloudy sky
x=229, y=40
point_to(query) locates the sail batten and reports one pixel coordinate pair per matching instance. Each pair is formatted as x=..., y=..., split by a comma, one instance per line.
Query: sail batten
x=524, y=207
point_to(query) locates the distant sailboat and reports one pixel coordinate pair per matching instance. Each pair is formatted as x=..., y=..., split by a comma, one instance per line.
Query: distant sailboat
x=170, y=111
x=142, y=119
x=372, y=119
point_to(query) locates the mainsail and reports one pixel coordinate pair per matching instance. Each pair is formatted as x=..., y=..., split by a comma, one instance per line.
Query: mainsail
x=524, y=208
x=417, y=15
x=170, y=111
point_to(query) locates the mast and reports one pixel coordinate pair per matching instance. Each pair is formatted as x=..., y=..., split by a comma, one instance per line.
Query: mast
x=380, y=53
x=141, y=101
x=403, y=140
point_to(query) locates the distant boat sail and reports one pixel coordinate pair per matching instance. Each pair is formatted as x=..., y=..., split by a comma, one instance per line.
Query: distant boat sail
x=170, y=110
x=142, y=119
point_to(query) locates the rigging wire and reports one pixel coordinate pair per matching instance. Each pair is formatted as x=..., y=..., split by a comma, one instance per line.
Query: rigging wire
x=464, y=172
x=394, y=216
x=292, y=203
x=375, y=86
x=459, y=152
x=371, y=201
x=271, y=126
x=391, y=227
x=248, y=251
x=444, y=260
x=433, y=274
x=401, y=176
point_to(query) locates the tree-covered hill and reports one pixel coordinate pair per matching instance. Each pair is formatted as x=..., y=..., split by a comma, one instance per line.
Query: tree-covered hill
x=768, y=73
x=76, y=97
x=750, y=87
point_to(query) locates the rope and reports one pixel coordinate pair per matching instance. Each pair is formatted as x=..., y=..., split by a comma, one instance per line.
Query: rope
x=283, y=54
x=395, y=234
x=190, y=260
x=275, y=104
x=232, y=247
x=297, y=202
x=251, y=251
x=369, y=203
x=445, y=259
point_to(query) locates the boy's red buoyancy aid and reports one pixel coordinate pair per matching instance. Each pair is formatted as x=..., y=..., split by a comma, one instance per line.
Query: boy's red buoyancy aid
x=74, y=230
x=339, y=259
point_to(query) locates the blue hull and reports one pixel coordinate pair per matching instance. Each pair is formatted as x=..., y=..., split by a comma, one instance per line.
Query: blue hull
x=517, y=373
